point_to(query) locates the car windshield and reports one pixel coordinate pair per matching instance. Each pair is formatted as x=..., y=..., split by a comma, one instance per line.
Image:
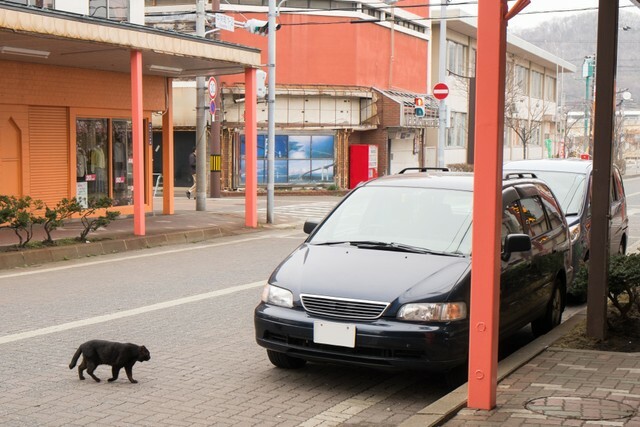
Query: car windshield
x=569, y=188
x=436, y=220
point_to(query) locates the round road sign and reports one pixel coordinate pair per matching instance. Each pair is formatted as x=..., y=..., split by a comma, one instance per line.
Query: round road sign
x=441, y=91
x=213, y=87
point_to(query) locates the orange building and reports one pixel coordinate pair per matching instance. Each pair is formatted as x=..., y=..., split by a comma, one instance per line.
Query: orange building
x=69, y=90
x=347, y=74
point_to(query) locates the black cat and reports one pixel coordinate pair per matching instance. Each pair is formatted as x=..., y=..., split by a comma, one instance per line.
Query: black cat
x=118, y=355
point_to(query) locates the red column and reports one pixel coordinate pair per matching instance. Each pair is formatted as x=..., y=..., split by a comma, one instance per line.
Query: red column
x=168, y=189
x=487, y=205
x=251, y=148
x=138, y=155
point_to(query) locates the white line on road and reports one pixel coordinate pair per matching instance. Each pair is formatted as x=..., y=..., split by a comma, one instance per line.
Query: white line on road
x=133, y=312
x=128, y=256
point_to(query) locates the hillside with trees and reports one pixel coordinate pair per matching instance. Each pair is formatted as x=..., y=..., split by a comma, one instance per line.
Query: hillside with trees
x=572, y=38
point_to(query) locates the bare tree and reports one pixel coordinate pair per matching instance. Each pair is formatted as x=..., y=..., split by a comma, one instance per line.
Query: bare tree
x=523, y=115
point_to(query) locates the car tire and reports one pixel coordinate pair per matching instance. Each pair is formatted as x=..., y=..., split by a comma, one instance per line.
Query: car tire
x=455, y=377
x=553, y=315
x=284, y=361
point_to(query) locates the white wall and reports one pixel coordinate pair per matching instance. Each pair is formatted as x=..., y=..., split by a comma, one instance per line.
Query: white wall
x=75, y=6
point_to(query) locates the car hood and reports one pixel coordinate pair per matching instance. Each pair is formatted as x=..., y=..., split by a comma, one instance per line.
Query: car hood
x=343, y=271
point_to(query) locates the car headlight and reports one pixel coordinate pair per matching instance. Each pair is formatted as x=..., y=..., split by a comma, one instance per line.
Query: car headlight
x=574, y=233
x=277, y=296
x=433, y=312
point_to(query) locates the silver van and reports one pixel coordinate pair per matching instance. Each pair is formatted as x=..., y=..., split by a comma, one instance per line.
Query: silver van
x=570, y=181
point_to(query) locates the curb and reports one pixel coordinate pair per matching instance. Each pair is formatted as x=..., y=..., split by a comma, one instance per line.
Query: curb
x=9, y=260
x=445, y=408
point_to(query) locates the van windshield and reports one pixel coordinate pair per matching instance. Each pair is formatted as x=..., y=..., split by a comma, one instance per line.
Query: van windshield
x=436, y=220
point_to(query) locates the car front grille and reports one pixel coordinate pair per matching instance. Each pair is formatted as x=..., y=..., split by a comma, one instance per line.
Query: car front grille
x=343, y=308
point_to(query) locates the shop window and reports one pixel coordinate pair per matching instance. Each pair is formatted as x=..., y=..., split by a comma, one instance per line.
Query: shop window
x=122, y=157
x=104, y=160
x=299, y=159
x=91, y=164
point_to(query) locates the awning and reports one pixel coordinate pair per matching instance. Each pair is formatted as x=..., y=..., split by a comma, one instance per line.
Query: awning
x=66, y=39
x=406, y=116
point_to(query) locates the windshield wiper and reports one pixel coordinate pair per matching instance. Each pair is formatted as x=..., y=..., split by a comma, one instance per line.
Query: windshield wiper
x=390, y=246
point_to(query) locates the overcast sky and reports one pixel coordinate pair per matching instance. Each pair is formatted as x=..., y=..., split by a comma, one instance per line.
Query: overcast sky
x=540, y=10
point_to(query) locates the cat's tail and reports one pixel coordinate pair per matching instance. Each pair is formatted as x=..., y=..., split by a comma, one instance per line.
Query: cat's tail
x=74, y=360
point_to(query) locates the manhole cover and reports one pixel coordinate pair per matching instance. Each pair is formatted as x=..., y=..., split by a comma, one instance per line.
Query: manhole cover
x=580, y=408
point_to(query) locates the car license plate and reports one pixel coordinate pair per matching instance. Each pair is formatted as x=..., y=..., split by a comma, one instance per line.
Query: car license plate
x=340, y=334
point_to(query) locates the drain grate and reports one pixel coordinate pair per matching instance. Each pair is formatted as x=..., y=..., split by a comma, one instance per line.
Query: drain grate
x=580, y=408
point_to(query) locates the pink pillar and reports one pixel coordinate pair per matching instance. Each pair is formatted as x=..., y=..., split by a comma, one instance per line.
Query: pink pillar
x=251, y=148
x=168, y=188
x=138, y=154
x=487, y=205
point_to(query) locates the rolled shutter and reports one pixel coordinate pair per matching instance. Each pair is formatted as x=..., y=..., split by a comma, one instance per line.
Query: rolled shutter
x=49, y=154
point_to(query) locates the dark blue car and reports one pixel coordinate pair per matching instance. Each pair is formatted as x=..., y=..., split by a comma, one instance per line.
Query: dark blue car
x=384, y=279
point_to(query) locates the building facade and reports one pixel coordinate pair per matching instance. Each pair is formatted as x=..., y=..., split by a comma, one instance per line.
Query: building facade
x=362, y=91
x=328, y=97
x=532, y=124
x=68, y=99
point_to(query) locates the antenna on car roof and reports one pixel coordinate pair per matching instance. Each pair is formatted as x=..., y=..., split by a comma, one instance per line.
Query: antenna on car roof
x=416, y=169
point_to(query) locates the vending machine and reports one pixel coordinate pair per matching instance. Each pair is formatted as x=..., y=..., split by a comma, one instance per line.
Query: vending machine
x=363, y=163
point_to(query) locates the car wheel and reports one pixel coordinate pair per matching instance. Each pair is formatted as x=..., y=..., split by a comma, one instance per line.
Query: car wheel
x=455, y=377
x=284, y=361
x=553, y=316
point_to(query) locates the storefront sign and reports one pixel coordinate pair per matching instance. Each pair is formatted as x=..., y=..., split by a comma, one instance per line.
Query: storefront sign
x=82, y=194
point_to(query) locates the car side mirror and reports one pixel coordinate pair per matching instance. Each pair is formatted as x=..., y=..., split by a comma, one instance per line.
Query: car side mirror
x=515, y=243
x=309, y=226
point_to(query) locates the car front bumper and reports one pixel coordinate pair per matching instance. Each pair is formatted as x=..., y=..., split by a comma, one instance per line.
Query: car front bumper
x=383, y=343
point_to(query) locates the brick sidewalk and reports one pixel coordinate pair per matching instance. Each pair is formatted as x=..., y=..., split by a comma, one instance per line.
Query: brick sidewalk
x=565, y=387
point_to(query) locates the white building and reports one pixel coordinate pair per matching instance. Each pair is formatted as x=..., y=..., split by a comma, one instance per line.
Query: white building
x=531, y=98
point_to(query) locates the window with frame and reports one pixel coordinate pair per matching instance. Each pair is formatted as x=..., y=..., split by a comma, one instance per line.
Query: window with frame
x=534, y=217
x=549, y=88
x=117, y=10
x=536, y=133
x=456, y=54
x=511, y=221
x=522, y=79
x=536, y=84
x=472, y=63
x=45, y=4
x=104, y=160
x=457, y=132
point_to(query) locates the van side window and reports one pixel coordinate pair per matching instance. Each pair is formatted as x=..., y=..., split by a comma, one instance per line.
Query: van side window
x=534, y=217
x=511, y=221
x=551, y=206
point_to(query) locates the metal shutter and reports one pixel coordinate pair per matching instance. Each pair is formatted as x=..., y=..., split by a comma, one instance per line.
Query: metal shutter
x=49, y=154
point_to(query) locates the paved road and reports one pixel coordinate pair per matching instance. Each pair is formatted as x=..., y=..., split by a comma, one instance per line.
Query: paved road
x=192, y=306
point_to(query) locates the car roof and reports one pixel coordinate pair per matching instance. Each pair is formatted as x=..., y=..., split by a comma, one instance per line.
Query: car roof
x=573, y=165
x=446, y=180
x=462, y=181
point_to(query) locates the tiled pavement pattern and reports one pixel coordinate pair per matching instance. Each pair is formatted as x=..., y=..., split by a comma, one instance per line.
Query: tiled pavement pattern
x=563, y=387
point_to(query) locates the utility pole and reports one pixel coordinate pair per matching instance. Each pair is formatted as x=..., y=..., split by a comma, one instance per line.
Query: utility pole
x=214, y=134
x=271, y=104
x=442, y=70
x=587, y=73
x=201, y=122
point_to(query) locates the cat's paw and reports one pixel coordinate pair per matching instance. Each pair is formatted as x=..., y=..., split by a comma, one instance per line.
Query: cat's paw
x=111, y=379
x=134, y=381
